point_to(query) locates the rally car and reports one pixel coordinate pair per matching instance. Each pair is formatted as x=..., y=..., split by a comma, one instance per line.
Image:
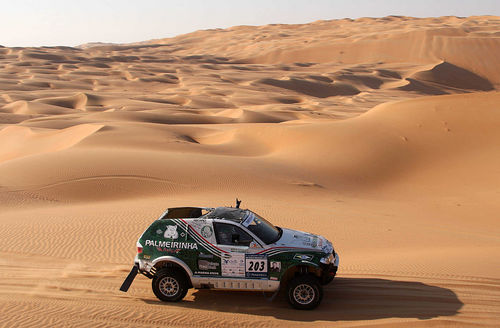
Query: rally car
x=232, y=248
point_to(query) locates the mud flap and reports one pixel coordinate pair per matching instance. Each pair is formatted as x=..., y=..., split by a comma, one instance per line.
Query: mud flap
x=130, y=278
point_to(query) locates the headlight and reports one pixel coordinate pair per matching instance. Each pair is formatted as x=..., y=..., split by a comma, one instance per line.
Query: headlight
x=327, y=259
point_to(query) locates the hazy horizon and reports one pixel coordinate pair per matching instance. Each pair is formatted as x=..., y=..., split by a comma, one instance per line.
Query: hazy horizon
x=61, y=23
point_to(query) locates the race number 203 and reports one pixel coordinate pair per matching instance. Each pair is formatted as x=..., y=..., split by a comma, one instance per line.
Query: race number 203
x=256, y=265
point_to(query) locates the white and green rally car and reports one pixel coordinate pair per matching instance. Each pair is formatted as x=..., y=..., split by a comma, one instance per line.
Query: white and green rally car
x=232, y=248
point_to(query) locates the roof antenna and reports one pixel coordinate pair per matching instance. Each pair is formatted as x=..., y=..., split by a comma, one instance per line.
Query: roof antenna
x=238, y=202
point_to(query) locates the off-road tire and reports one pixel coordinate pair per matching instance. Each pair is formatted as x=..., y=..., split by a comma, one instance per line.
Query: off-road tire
x=170, y=285
x=304, y=292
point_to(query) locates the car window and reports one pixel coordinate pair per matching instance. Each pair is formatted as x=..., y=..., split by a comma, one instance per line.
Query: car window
x=228, y=234
x=262, y=228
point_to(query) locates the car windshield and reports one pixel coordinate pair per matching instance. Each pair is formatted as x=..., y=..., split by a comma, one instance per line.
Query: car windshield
x=262, y=228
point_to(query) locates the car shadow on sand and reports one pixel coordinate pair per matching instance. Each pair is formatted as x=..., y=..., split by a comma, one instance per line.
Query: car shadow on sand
x=344, y=299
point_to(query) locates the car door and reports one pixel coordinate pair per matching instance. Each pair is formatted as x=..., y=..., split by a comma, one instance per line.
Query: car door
x=239, y=260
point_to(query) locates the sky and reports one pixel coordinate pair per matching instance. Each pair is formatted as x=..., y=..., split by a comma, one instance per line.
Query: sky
x=70, y=22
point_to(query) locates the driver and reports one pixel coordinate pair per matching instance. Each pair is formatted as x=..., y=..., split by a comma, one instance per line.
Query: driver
x=225, y=235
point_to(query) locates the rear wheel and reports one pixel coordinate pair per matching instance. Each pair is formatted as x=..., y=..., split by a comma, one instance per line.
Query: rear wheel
x=170, y=285
x=305, y=292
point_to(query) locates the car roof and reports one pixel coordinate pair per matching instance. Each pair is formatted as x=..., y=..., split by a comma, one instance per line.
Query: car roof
x=222, y=213
x=229, y=213
x=184, y=212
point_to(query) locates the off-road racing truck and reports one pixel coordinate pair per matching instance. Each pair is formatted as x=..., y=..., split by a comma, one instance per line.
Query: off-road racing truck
x=232, y=248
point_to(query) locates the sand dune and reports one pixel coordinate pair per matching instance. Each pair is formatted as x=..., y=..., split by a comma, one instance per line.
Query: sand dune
x=316, y=89
x=445, y=78
x=455, y=77
x=18, y=141
x=381, y=134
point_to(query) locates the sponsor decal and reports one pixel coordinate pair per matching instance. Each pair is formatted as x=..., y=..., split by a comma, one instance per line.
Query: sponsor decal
x=238, y=250
x=256, y=265
x=275, y=266
x=159, y=232
x=233, y=266
x=248, y=220
x=205, y=256
x=168, y=250
x=171, y=232
x=205, y=265
x=207, y=231
x=198, y=225
x=171, y=244
x=206, y=273
x=198, y=238
x=303, y=257
x=253, y=244
x=310, y=241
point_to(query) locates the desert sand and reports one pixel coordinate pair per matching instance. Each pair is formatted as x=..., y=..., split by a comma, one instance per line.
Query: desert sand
x=382, y=134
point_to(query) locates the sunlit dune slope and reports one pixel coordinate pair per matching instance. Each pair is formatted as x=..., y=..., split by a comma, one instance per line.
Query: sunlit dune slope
x=411, y=145
x=471, y=42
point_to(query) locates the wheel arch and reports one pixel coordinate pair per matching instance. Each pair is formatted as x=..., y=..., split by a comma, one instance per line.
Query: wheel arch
x=173, y=262
x=300, y=269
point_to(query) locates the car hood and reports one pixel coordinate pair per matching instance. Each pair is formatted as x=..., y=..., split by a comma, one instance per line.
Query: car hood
x=300, y=239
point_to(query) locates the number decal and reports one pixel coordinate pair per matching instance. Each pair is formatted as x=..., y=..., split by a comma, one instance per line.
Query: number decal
x=256, y=266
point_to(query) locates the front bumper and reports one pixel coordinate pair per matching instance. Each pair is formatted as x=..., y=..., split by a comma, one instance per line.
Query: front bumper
x=330, y=270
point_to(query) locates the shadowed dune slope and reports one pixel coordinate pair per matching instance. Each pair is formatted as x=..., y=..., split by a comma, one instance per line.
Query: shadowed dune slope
x=315, y=89
x=452, y=76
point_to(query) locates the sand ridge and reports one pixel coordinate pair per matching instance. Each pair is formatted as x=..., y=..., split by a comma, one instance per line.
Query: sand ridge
x=379, y=133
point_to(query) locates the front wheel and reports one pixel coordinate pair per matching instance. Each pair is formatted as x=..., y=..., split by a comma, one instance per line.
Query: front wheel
x=305, y=292
x=169, y=285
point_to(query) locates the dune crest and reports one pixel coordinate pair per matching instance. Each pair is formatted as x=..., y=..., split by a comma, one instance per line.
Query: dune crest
x=18, y=141
x=77, y=101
